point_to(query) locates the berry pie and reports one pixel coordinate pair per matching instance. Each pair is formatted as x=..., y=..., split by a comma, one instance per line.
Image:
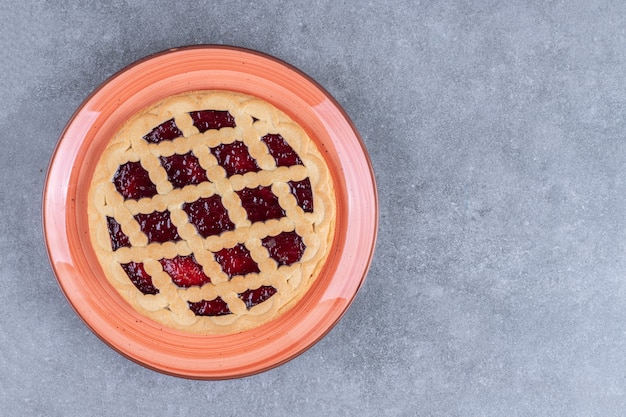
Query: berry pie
x=211, y=212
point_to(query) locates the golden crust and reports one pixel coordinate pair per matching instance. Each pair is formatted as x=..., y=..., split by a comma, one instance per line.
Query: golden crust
x=254, y=118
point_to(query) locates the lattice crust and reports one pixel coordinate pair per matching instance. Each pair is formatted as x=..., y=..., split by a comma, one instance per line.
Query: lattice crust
x=278, y=285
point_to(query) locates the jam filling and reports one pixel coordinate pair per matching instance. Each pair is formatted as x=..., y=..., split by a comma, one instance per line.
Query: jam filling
x=118, y=237
x=216, y=307
x=140, y=278
x=209, y=216
x=183, y=170
x=254, y=297
x=303, y=193
x=212, y=119
x=158, y=226
x=286, y=248
x=165, y=131
x=236, y=261
x=133, y=182
x=235, y=158
x=260, y=204
x=185, y=271
x=283, y=154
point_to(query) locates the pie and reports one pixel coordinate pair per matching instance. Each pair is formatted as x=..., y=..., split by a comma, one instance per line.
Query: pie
x=211, y=212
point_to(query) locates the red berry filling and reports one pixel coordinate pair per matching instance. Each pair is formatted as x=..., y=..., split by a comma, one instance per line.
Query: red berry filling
x=165, y=131
x=260, y=204
x=185, y=271
x=283, y=154
x=235, y=158
x=236, y=261
x=158, y=226
x=140, y=278
x=303, y=193
x=212, y=119
x=286, y=248
x=217, y=307
x=209, y=216
x=254, y=297
x=118, y=237
x=133, y=182
x=183, y=170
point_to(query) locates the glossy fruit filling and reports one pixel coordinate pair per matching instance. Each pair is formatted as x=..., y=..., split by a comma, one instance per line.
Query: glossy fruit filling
x=209, y=216
x=236, y=261
x=260, y=204
x=212, y=119
x=283, y=154
x=158, y=226
x=185, y=271
x=133, y=182
x=139, y=277
x=118, y=237
x=235, y=158
x=257, y=296
x=216, y=307
x=303, y=193
x=285, y=248
x=165, y=131
x=183, y=170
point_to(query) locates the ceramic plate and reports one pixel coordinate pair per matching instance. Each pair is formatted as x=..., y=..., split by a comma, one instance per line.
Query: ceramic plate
x=66, y=227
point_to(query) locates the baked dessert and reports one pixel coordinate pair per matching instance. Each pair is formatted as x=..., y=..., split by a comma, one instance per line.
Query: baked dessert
x=211, y=212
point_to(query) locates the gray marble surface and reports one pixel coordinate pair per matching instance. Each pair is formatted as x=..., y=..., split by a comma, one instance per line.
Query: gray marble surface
x=497, y=134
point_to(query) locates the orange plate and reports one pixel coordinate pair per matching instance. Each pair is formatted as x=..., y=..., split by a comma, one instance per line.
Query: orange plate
x=66, y=227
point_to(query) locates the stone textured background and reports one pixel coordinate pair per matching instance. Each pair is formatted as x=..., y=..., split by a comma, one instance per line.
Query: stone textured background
x=497, y=134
